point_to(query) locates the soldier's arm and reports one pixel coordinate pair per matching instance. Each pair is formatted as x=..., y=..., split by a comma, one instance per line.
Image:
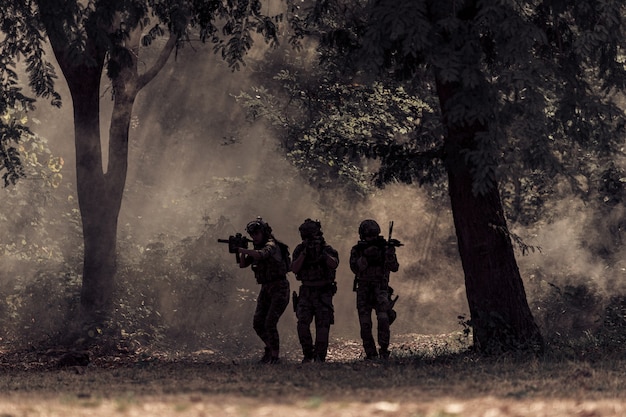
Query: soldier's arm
x=244, y=260
x=250, y=253
x=357, y=262
x=258, y=254
x=391, y=261
x=331, y=257
x=299, y=254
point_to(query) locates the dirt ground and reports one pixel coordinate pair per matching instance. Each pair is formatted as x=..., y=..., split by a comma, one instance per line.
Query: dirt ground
x=410, y=383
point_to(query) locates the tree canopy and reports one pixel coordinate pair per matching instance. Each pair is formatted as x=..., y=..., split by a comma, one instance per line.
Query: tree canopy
x=526, y=96
x=89, y=40
x=544, y=75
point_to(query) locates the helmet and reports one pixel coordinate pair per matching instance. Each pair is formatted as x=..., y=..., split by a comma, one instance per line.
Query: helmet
x=310, y=229
x=258, y=224
x=368, y=228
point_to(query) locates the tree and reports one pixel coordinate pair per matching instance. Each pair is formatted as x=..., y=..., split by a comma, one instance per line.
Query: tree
x=330, y=124
x=523, y=88
x=16, y=44
x=106, y=36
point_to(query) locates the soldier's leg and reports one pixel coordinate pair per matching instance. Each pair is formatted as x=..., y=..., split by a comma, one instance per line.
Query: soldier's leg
x=278, y=304
x=304, y=313
x=258, y=322
x=324, y=317
x=383, y=333
x=382, y=315
x=364, y=310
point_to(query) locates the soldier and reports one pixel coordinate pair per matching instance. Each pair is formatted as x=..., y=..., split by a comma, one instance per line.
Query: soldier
x=314, y=264
x=372, y=260
x=270, y=262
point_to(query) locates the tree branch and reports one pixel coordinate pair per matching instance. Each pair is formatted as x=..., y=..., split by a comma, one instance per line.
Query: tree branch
x=147, y=76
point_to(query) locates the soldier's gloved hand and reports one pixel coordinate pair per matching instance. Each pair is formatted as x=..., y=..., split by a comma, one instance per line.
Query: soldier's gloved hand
x=361, y=263
x=372, y=252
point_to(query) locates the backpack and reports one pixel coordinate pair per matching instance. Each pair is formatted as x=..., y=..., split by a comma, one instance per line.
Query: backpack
x=284, y=252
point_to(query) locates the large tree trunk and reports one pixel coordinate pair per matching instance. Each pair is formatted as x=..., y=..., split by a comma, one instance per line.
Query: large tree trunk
x=99, y=192
x=500, y=316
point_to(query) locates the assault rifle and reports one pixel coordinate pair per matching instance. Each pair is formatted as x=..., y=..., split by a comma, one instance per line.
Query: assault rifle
x=236, y=242
x=393, y=242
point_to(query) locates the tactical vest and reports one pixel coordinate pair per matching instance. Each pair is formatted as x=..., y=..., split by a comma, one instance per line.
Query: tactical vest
x=270, y=269
x=316, y=272
x=376, y=271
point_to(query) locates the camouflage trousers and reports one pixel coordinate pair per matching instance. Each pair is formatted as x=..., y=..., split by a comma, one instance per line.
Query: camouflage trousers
x=373, y=296
x=315, y=302
x=271, y=304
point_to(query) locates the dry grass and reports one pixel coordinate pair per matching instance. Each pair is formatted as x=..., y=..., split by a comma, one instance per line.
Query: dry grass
x=425, y=377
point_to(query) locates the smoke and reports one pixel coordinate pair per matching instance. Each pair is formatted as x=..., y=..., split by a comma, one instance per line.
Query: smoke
x=195, y=157
x=575, y=271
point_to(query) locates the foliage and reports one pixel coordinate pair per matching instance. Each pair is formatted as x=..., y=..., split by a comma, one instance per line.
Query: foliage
x=41, y=226
x=579, y=321
x=541, y=75
x=99, y=37
x=179, y=293
x=604, y=231
x=170, y=294
x=36, y=309
x=31, y=232
x=21, y=40
x=76, y=24
x=333, y=127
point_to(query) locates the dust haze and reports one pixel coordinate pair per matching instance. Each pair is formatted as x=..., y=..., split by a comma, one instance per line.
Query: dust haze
x=198, y=172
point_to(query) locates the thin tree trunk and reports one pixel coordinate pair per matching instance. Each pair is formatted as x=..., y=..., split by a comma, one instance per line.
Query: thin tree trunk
x=99, y=194
x=99, y=197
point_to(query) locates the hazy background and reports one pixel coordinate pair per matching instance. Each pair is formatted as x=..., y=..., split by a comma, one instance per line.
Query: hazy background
x=194, y=161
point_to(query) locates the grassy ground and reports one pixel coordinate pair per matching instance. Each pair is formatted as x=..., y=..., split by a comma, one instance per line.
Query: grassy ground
x=414, y=382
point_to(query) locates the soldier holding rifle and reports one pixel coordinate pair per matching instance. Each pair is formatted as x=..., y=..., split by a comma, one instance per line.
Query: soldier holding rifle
x=315, y=264
x=372, y=260
x=270, y=261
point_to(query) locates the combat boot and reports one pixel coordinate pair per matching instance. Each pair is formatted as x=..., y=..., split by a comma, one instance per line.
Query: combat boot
x=308, y=355
x=384, y=353
x=267, y=356
x=371, y=356
x=273, y=356
x=320, y=353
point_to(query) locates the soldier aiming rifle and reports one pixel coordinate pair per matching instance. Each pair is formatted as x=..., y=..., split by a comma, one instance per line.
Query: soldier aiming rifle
x=270, y=261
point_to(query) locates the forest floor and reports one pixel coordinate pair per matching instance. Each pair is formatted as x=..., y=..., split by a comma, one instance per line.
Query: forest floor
x=423, y=378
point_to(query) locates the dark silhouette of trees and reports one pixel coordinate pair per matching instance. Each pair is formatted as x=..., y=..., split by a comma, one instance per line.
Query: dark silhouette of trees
x=524, y=92
x=90, y=39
